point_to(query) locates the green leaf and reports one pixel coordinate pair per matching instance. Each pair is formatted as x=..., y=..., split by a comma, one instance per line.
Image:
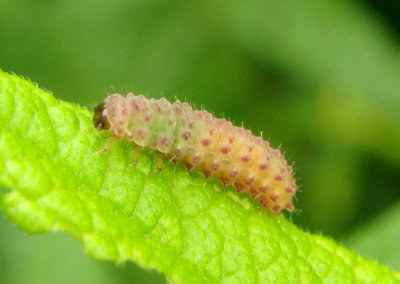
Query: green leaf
x=190, y=229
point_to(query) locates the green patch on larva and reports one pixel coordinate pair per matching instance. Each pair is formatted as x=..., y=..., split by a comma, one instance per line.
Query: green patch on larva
x=199, y=141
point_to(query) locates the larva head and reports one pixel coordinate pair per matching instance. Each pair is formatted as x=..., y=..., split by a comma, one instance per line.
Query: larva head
x=100, y=120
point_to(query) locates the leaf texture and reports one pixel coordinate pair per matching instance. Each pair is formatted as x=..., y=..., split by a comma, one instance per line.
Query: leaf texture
x=190, y=229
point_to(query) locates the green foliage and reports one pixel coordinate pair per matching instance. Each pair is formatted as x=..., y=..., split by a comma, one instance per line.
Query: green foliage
x=58, y=258
x=175, y=222
x=376, y=239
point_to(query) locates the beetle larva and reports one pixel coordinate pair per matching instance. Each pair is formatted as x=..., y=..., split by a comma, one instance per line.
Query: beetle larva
x=200, y=141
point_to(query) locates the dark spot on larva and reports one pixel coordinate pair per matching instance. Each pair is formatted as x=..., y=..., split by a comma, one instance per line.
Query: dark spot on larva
x=251, y=148
x=220, y=122
x=249, y=180
x=214, y=166
x=211, y=132
x=196, y=159
x=147, y=118
x=206, y=142
x=178, y=153
x=263, y=189
x=135, y=106
x=282, y=170
x=188, y=166
x=159, y=109
x=276, y=208
x=191, y=124
x=207, y=174
x=274, y=197
x=253, y=193
x=233, y=174
x=289, y=207
x=186, y=135
x=289, y=189
x=230, y=140
x=118, y=132
x=165, y=141
x=278, y=177
x=245, y=158
x=225, y=150
x=263, y=166
x=263, y=201
x=121, y=122
x=141, y=133
x=178, y=110
x=170, y=122
x=239, y=187
x=225, y=181
x=268, y=158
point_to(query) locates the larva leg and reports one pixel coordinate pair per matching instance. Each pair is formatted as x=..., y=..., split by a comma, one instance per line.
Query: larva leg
x=109, y=141
x=159, y=164
x=173, y=159
x=135, y=156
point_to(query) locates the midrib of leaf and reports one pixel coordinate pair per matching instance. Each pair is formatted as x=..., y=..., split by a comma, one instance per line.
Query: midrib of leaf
x=190, y=229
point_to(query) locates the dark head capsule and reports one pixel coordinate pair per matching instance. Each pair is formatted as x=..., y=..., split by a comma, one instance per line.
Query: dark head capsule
x=100, y=120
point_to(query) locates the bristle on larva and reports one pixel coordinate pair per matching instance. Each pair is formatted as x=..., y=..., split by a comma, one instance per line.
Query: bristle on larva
x=200, y=141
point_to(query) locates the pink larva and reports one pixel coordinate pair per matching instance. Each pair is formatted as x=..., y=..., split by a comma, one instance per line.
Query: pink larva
x=200, y=141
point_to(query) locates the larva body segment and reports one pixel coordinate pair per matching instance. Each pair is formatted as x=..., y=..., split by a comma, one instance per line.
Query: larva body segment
x=200, y=141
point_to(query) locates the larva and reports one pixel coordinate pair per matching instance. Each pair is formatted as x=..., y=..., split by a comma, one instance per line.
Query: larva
x=200, y=141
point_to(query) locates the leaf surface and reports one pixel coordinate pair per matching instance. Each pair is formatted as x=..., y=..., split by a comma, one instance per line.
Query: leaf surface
x=190, y=229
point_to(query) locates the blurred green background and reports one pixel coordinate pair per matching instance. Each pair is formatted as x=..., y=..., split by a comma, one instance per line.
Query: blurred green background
x=320, y=79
